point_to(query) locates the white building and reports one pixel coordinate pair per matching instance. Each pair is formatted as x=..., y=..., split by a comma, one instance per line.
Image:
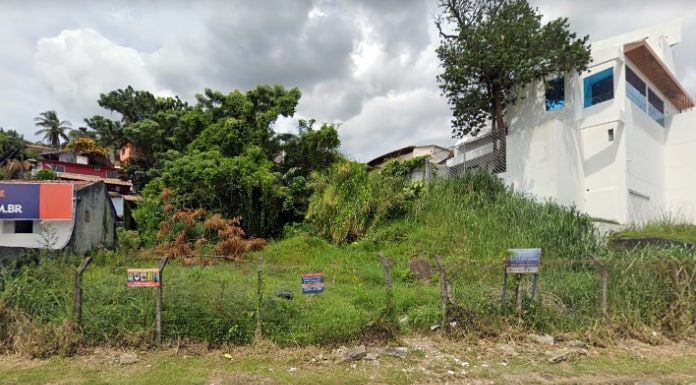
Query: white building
x=616, y=141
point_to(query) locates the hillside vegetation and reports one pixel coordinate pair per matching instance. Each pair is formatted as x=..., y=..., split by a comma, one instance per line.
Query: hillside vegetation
x=469, y=221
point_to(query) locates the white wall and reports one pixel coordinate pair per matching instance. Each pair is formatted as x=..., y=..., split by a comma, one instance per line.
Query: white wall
x=680, y=167
x=604, y=171
x=645, y=165
x=62, y=231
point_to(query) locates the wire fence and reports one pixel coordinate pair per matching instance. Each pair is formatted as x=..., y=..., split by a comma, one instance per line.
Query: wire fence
x=363, y=297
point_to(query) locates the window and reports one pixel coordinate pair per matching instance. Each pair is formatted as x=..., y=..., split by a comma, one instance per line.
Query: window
x=599, y=87
x=58, y=168
x=610, y=134
x=24, y=227
x=635, y=89
x=555, y=94
x=112, y=174
x=656, y=107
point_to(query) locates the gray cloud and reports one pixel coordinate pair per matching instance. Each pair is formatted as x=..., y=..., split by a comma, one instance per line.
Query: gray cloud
x=368, y=64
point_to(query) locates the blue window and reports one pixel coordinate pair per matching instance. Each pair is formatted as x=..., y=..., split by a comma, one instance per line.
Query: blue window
x=599, y=87
x=555, y=94
x=636, y=89
x=656, y=107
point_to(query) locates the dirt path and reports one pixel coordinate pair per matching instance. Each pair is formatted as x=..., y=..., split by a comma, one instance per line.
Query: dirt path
x=430, y=360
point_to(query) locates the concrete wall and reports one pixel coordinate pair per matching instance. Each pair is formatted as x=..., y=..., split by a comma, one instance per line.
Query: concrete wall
x=680, y=167
x=95, y=224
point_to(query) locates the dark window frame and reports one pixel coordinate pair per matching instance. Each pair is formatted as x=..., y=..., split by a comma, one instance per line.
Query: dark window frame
x=554, y=94
x=595, y=88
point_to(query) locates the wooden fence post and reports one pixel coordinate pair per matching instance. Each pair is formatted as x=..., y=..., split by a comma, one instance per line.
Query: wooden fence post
x=259, y=275
x=444, y=294
x=503, y=295
x=604, y=283
x=387, y=263
x=77, y=306
x=158, y=314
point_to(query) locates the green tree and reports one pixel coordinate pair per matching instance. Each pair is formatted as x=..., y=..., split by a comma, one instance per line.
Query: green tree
x=490, y=49
x=244, y=185
x=53, y=128
x=11, y=144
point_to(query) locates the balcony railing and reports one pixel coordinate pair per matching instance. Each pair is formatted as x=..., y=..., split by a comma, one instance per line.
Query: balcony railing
x=636, y=96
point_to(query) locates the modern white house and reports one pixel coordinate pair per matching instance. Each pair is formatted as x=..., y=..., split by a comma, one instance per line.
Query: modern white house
x=617, y=141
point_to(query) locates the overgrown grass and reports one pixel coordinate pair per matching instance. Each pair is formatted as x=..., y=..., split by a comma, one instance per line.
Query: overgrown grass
x=665, y=228
x=470, y=222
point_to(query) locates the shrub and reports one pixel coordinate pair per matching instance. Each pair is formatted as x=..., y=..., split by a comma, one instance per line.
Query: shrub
x=348, y=200
x=128, y=240
x=46, y=174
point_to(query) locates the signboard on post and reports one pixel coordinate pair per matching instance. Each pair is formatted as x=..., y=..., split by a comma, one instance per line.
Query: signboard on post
x=144, y=278
x=523, y=261
x=36, y=201
x=312, y=283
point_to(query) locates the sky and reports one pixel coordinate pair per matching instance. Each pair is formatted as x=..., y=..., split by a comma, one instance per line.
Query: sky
x=368, y=65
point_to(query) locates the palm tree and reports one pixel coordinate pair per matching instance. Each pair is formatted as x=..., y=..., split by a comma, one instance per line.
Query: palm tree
x=53, y=128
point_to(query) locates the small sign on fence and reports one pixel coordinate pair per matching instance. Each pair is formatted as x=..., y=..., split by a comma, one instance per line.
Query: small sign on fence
x=523, y=261
x=312, y=283
x=144, y=278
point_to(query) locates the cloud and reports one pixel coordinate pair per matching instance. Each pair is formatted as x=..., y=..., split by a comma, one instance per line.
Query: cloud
x=368, y=64
x=77, y=65
x=394, y=120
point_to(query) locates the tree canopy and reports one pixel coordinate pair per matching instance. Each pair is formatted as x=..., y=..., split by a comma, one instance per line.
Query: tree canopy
x=53, y=130
x=221, y=154
x=490, y=49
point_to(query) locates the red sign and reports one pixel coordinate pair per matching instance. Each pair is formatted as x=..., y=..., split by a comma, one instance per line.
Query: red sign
x=143, y=278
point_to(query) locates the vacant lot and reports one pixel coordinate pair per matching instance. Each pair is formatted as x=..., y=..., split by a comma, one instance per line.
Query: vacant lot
x=430, y=360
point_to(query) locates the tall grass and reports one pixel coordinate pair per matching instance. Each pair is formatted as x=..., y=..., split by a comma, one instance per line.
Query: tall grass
x=469, y=221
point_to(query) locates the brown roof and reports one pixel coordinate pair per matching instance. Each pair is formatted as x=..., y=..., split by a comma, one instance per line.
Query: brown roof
x=93, y=178
x=647, y=61
x=393, y=154
x=79, y=185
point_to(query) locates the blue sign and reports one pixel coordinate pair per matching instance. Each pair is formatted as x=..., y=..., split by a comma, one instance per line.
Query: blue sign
x=312, y=283
x=523, y=261
x=19, y=201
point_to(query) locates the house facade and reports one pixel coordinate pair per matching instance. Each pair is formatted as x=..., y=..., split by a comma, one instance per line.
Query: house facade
x=435, y=152
x=617, y=141
x=57, y=215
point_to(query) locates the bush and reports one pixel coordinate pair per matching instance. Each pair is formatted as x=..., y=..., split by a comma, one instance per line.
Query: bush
x=46, y=174
x=348, y=200
x=128, y=240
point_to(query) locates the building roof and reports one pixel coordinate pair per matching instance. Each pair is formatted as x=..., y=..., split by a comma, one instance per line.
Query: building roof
x=78, y=185
x=392, y=154
x=649, y=63
x=397, y=153
x=94, y=178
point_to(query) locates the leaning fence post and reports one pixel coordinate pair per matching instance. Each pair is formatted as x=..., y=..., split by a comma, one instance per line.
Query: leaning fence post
x=77, y=306
x=444, y=294
x=158, y=314
x=259, y=275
